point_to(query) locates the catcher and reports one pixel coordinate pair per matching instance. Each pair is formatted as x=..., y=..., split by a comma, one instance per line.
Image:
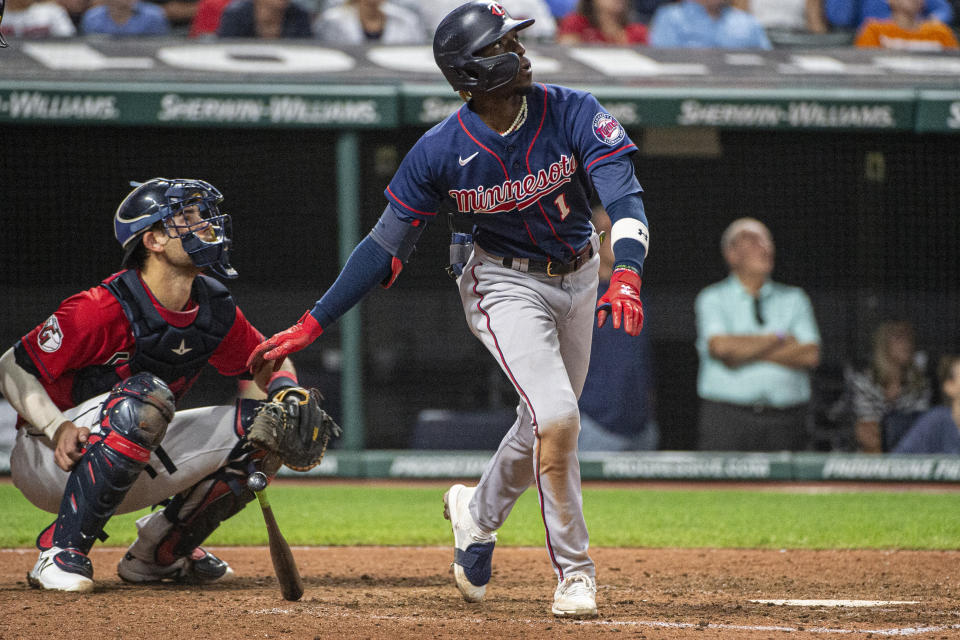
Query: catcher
x=96, y=387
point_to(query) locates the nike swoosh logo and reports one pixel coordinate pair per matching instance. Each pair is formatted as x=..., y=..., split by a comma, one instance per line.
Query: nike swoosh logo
x=463, y=162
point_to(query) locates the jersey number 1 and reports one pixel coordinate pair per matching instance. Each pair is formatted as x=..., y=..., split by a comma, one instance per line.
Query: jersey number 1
x=561, y=202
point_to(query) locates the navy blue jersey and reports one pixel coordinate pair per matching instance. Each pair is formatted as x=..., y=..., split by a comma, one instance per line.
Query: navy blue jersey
x=529, y=191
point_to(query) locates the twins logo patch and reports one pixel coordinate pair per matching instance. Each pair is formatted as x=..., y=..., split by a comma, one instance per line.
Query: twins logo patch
x=50, y=337
x=607, y=129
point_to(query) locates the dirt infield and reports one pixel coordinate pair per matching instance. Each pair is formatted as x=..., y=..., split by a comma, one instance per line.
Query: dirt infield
x=405, y=592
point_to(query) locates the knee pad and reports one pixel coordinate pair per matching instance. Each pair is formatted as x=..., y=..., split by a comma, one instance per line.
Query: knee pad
x=139, y=408
x=133, y=421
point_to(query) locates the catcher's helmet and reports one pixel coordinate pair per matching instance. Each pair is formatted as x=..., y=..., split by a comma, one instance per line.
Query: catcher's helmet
x=465, y=31
x=206, y=240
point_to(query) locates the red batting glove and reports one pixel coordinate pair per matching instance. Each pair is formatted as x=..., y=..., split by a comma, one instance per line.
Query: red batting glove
x=622, y=299
x=287, y=341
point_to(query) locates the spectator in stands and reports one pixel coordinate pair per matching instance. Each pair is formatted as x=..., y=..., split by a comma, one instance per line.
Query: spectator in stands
x=265, y=19
x=644, y=10
x=894, y=386
x=125, y=18
x=601, y=21
x=369, y=21
x=802, y=16
x=616, y=405
x=852, y=14
x=544, y=29
x=29, y=19
x=206, y=21
x=180, y=13
x=906, y=28
x=75, y=8
x=938, y=430
x=758, y=341
x=706, y=24
x=561, y=8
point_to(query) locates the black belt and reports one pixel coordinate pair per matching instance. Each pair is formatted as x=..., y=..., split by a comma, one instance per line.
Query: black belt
x=550, y=267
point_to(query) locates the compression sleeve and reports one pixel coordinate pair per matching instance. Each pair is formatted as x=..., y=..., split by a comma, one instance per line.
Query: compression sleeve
x=615, y=179
x=629, y=235
x=25, y=394
x=397, y=233
x=368, y=265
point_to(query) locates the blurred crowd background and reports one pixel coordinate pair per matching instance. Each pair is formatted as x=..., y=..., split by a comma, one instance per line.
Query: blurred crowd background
x=926, y=25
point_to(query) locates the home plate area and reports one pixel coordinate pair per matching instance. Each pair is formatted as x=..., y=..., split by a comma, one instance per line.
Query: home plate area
x=395, y=593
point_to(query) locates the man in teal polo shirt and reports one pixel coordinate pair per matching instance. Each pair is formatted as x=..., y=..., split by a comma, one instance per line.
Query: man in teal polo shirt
x=757, y=340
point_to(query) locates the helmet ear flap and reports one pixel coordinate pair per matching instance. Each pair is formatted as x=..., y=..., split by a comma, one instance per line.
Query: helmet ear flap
x=468, y=29
x=496, y=71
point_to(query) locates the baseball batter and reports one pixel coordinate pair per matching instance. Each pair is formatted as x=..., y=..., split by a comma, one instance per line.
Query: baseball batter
x=95, y=387
x=522, y=160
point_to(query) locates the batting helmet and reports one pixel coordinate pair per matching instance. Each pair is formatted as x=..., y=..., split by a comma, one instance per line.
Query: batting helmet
x=159, y=200
x=464, y=32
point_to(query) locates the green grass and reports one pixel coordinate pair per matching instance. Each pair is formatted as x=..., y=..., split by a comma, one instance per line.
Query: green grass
x=327, y=514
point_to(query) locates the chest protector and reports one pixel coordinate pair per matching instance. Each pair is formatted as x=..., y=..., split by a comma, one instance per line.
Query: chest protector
x=176, y=355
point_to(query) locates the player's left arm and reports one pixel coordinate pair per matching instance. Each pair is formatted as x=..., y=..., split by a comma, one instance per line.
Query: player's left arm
x=604, y=149
x=619, y=191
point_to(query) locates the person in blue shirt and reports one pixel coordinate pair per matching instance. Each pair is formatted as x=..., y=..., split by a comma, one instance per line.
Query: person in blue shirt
x=757, y=341
x=265, y=19
x=851, y=14
x=125, y=18
x=706, y=24
x=938, y=430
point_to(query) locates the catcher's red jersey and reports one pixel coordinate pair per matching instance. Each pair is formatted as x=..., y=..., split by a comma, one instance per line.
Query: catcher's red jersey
x=90, y=328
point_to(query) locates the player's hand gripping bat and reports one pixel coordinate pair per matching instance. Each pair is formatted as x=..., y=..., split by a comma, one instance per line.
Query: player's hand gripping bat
x=283, y=563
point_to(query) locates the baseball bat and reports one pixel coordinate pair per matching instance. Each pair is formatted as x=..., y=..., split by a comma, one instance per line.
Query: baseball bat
x=291, y=585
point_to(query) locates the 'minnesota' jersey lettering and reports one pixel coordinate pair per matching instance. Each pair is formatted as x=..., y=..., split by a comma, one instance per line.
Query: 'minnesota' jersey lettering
x=528, y=192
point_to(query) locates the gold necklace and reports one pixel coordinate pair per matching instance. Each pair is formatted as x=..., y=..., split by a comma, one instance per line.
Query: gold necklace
x=519, y=120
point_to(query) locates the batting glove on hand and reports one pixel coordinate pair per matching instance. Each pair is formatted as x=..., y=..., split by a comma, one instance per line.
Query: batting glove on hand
x=287, y=341
x=622, y=299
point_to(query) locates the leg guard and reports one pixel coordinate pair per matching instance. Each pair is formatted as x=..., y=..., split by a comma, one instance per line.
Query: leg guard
x=133, y=421
x=198, y=511
x=191, y=516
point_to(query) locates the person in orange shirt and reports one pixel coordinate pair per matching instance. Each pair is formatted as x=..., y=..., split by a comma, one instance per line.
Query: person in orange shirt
x=906, y=29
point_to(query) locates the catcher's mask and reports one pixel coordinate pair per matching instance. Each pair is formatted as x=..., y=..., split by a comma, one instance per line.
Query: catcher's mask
x=188, y=210
x=463, y=33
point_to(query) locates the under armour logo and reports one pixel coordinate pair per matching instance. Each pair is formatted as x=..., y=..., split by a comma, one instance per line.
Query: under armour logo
x=463, y=161
x=182, y=349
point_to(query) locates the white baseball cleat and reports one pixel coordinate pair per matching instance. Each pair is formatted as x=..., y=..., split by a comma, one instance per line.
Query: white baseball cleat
x=62, y=570
x=201, y=567
x=473, y=548
x=576, y=597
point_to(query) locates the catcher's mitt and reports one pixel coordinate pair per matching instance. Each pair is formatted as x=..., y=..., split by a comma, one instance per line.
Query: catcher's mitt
x=294, y=427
